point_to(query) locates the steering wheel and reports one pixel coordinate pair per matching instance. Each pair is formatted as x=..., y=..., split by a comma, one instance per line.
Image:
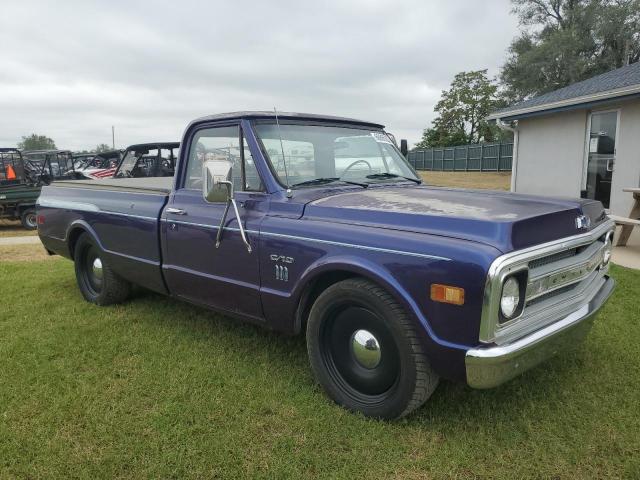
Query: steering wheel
x=354, y=164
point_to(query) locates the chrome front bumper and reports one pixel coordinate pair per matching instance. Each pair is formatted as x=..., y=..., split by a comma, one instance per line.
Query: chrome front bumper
x=492, y=366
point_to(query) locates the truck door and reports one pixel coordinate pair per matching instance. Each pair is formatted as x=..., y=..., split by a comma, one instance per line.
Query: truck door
x=227, y=277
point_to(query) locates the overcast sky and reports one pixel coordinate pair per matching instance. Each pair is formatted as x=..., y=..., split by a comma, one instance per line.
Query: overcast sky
x=71, y=69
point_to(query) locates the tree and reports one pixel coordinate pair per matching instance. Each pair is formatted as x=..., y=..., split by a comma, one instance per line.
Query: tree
x=36, y=142
x=566, y=41
x=461, y=112
x=103, y=147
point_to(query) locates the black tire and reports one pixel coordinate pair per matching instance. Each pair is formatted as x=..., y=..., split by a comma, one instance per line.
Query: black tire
x=99, y=285
x=397, y=378
x=29, y=219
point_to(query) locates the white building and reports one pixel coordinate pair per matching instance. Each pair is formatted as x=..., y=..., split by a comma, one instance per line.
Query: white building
x=582, y=140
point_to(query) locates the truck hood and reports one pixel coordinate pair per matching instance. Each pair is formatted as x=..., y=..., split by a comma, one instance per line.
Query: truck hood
x=504, y=220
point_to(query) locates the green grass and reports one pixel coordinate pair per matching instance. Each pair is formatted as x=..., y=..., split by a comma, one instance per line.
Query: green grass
x=157, y=388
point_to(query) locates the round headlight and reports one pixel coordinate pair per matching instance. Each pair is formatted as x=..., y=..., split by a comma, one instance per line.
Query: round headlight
x=510, y=297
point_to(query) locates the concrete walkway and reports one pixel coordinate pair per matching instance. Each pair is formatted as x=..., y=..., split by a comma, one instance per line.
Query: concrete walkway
x=22, y=240
x=629, y=255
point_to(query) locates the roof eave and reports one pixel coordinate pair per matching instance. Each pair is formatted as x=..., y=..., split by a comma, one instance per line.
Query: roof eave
x=565, y=104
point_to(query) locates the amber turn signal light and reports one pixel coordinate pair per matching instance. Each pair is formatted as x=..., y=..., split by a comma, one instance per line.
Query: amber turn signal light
x=447, y=294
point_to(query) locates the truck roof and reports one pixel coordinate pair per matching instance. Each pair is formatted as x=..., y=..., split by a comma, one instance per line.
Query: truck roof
x=283, y=115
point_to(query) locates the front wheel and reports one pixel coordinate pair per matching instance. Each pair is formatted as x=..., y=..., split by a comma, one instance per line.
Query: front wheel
x=98, y=283
x=365, y=351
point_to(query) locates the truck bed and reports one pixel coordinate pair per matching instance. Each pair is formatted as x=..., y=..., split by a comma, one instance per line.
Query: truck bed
x=122, y=214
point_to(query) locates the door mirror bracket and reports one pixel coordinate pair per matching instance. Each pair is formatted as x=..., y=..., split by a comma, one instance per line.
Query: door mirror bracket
x=217, y=186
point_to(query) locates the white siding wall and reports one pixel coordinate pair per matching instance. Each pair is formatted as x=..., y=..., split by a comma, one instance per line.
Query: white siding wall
x=550, y=154
x=626, y=172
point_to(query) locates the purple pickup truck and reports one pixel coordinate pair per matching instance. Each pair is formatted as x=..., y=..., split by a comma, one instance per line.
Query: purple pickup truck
x=317, y=225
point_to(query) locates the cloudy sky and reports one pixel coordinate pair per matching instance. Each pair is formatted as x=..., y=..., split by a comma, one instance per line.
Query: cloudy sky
x=71, y=69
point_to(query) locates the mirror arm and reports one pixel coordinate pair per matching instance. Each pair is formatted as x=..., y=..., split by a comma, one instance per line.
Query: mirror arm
x=222, y=222
x=231, y=201
x=242, y=232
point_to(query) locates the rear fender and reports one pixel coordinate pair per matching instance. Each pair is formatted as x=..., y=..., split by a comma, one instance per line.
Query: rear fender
x=74, y=230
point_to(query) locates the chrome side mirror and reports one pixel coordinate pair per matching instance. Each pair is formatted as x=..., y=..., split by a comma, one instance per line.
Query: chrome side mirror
x=217, y=186
x=217, y=183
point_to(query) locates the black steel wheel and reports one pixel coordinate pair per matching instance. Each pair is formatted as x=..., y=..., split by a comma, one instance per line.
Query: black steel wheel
x=98, y=283
x=29, y=219
x=365, y=352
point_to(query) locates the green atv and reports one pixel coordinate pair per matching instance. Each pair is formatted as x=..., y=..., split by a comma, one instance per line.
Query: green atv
x=22, y=177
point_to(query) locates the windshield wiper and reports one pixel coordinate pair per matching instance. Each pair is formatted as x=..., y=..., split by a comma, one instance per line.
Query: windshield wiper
x=376, y=176
x=325, y=180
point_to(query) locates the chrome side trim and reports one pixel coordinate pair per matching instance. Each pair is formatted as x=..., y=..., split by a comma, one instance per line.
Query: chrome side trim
x=67, y=205
x=86, y=207
x=512, y=262
x=98, y=188
x=315, y=240
x=142, y=217
x=362, y=247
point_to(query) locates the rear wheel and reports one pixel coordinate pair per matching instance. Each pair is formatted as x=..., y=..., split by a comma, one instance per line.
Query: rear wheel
x=29, y=219
x=98, y=283
x=365, y=352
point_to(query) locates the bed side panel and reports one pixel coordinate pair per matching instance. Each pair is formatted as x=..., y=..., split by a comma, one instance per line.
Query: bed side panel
x=124, y=223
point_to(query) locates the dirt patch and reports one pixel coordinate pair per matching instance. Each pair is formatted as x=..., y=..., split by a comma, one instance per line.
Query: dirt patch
x=24, y=253
x=10, y=228
x=482, y=180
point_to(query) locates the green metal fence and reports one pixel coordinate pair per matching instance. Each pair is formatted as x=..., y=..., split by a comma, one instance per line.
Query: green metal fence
x=489, y=157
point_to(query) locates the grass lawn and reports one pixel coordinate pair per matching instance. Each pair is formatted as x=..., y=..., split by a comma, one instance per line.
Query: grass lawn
x=481, y=180
x=10, y=228
x=24, y=253
x=157, y=388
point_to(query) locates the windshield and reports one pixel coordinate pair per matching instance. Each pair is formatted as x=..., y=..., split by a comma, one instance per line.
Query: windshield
x=327, y=153
x=128, y=164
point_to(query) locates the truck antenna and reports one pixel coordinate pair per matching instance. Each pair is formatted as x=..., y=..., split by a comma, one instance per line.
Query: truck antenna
x=284, y=162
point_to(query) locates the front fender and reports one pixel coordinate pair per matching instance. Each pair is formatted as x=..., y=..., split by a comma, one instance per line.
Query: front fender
x=376, y=273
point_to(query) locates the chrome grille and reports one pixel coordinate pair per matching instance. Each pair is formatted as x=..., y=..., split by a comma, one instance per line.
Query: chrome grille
x=561, y=277
x=549, y=295
x=539, y=262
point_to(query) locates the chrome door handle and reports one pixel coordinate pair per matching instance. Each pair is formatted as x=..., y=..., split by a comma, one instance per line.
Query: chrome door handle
x=176, y=211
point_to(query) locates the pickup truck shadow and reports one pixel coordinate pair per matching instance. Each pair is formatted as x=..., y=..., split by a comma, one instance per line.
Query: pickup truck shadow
x=503, y=407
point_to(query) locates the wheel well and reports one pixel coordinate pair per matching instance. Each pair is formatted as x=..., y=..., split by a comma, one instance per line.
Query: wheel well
x=313, y=290
x=73, y=238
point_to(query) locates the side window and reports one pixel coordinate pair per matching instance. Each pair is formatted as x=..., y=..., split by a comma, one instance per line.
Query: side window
x=221, y=143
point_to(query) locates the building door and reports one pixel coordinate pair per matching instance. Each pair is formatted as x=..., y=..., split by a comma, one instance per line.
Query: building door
x=601, y=155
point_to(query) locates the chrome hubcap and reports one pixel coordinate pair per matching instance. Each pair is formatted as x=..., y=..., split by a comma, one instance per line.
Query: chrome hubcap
x=366, y=348
x=97, y=268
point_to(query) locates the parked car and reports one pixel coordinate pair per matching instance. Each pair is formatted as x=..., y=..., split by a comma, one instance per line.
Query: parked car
x=21, y=180
x=395, y=284
x=148, y=160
